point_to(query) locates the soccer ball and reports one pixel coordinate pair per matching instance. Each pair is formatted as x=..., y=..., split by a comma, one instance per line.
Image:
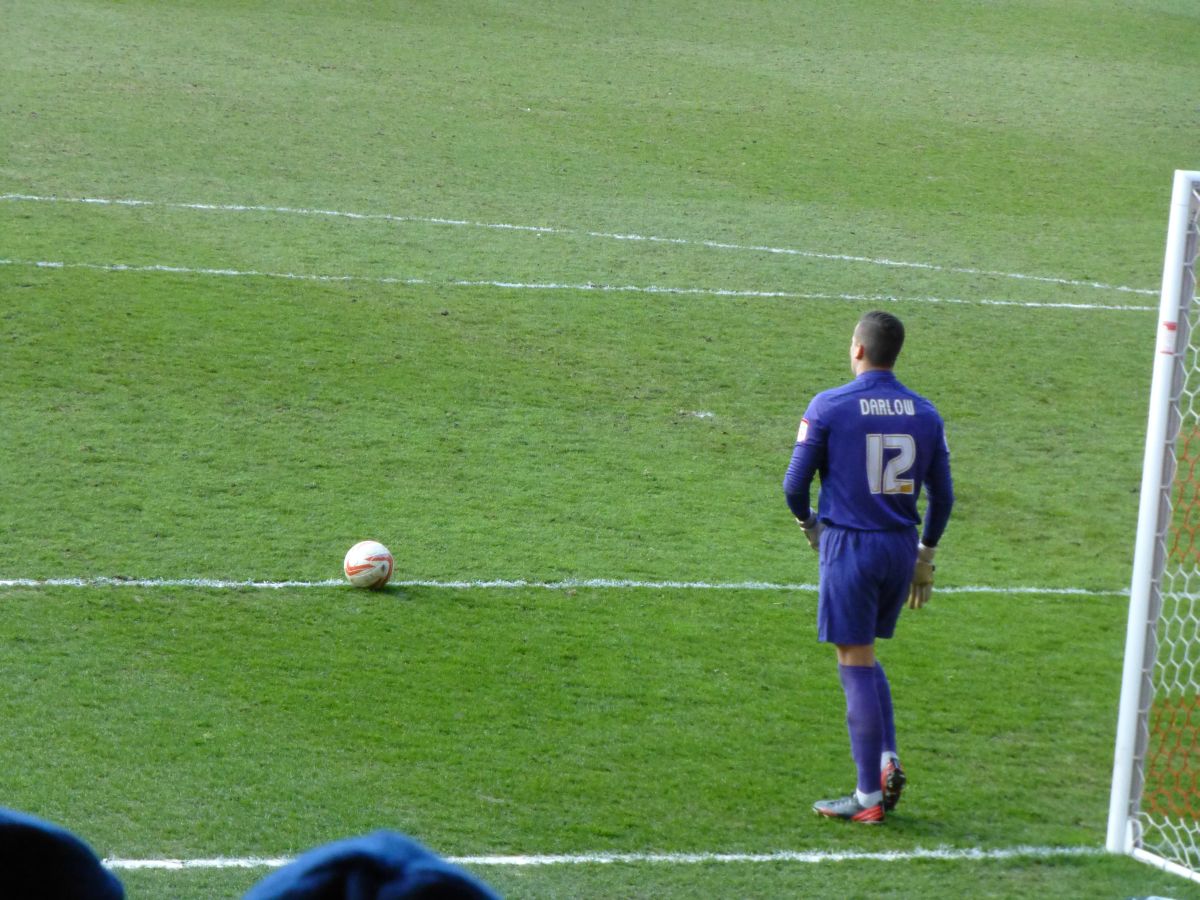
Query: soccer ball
x=368, y=564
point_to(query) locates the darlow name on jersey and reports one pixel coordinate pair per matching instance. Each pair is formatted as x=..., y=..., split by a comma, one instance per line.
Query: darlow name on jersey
x=886, y=407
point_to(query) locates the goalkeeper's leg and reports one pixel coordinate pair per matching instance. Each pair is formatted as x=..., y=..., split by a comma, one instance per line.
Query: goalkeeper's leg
x=864, y=720
x=892, y=778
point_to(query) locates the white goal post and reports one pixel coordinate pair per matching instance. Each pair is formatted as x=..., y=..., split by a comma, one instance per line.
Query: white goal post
x=1154, y=812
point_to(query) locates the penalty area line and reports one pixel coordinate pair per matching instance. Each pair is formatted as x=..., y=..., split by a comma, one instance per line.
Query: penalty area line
x=565, y=584
x=557, y=230
x=944, y=854
x=587, y=286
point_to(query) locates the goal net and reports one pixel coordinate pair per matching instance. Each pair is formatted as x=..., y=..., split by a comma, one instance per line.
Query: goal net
x=1155, y=806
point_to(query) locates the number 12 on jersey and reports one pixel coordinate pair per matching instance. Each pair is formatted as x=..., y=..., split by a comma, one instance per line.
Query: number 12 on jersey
x=884, y=473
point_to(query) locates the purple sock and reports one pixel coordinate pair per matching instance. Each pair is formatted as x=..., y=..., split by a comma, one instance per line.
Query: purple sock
x=884, y=690
x=864, y=718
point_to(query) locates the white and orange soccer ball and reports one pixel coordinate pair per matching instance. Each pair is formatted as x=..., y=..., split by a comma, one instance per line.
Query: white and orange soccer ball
x=368, y=564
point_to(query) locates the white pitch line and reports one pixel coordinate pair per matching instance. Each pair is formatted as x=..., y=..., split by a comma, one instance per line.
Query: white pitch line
x=159, y=268
x=950, y=854
x=565, y=584
x=214, y=583
x=543, y=229
x=217, y=862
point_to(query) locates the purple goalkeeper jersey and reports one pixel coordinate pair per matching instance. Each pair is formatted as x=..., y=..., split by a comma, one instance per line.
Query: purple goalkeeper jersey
x=876, y=444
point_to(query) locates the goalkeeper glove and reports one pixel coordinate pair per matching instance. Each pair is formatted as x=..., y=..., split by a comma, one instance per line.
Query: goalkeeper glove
x=812, y=528
x=922, y=582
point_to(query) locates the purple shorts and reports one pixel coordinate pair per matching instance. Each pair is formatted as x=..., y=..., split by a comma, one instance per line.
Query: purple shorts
x=864, y=581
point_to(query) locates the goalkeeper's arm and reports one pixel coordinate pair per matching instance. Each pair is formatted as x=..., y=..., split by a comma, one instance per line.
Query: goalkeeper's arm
x=940, y=489
x=797, y=486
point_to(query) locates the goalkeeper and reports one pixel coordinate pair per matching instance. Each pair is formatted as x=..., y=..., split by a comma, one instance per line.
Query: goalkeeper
x=875, y=445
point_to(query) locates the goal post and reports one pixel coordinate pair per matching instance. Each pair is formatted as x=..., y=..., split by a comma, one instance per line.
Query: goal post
x=1154, y=811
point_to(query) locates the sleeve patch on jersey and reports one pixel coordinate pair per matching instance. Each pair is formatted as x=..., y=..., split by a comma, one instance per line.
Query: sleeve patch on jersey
x=803, y=432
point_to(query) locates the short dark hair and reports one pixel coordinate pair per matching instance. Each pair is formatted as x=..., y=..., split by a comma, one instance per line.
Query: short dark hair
x=882, y=336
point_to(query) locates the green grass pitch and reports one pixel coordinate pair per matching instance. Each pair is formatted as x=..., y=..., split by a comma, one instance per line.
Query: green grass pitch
x=537, y=292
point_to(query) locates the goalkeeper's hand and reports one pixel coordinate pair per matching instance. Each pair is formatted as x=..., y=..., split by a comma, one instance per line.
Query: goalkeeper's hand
x=922, y=582
x=812, y=528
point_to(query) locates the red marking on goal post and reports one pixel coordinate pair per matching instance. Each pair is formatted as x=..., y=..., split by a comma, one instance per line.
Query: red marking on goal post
x=1166, y=340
